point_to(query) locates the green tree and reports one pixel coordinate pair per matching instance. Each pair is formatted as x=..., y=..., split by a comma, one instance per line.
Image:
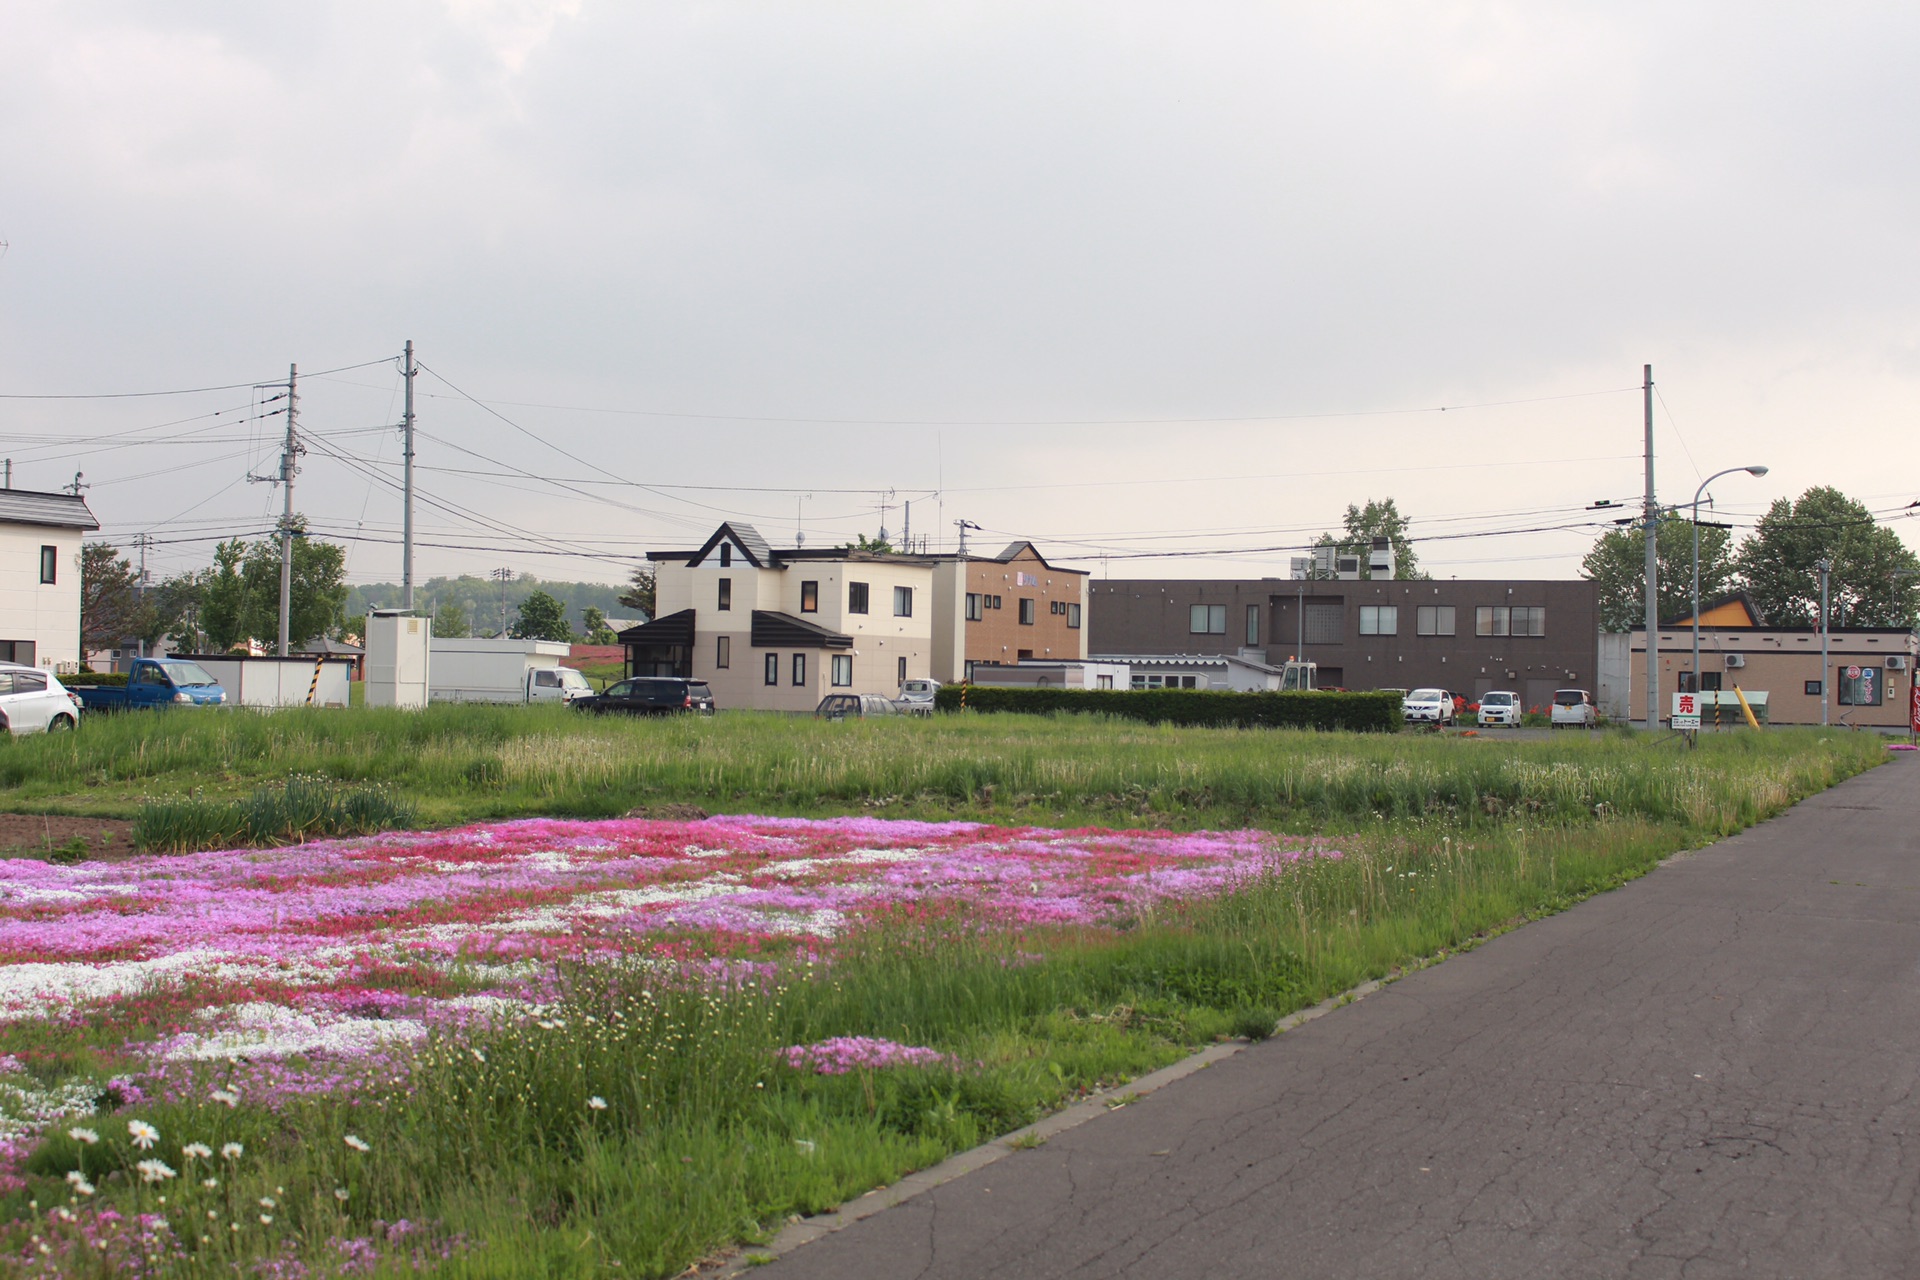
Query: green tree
x=173, y=607
x=111, y=609
x=1617, y=566
x=351, y=629
x=542, y=618
x=1866, y=588
x=223, y=600
x=593, y=624
x=1361, y=525
x=640, y=591
x=318, y=596
x=450, y=623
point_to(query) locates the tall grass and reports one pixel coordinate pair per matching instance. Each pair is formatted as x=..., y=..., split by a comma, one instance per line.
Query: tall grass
x=460, y=763
x=301, y=808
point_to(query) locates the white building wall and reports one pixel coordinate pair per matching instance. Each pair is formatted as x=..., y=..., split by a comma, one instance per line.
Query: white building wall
x=46, y=614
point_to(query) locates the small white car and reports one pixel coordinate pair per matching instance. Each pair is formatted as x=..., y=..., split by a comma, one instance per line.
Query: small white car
x=1501, y=707
x=1574, y=708
x=1427, y=706
x=34, y=701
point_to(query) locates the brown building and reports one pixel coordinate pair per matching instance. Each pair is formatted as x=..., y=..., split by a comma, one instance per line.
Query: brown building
x=1869, y=670
x=1004, y=609
x=1468, y=636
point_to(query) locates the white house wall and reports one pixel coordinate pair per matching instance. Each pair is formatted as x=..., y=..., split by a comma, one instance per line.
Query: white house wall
x=46, y=614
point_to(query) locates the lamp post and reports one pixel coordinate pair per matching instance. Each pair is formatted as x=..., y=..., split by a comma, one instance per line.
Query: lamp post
x=1825, y=568
x=1752, y=471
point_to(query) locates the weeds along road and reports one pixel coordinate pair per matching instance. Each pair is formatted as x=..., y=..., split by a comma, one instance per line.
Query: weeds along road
x=1709, y=1072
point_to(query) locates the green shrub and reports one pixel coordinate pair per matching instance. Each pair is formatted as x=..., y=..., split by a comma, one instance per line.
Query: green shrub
x=90, y=679
x=1359, y=712
x=303, y=807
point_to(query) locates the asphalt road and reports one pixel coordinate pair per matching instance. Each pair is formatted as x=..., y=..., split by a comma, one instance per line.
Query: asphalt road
x=1710, y=1072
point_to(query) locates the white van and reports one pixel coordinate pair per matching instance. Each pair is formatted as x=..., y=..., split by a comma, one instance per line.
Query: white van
x=1574, y=708
x=1501, y=707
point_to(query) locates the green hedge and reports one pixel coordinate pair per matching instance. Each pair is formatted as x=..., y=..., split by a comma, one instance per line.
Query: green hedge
x=1361, y=712
x=94, y=678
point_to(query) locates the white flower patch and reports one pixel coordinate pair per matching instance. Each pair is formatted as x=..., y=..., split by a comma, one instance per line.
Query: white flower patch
x=261, y=1030
x=550, y=860
x=25, y=989
x=27, y=1109
x=885, y=855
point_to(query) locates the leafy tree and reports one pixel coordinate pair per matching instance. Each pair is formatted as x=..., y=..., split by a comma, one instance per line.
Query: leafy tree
x=223, y=600
x=1376, y=520
x=1617, y=565
x=640, y=590
x=450, y=623
x=1779, y=564
x=174, y=608
x=542, y=618
x=594, y=624
x=352, y=629
x=111, y=609
x=863, y=543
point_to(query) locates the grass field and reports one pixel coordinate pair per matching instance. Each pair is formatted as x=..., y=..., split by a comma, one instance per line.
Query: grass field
x=452, y=764
x=627, y=1111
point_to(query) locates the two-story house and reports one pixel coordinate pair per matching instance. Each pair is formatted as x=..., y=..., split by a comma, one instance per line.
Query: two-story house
x=40, y=537
x=778, y=630
x=1006, y=609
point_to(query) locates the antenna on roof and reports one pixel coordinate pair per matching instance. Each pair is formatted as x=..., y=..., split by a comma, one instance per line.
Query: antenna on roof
x=963, y=526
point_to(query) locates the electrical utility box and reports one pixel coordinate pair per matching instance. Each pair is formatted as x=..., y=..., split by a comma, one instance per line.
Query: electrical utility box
x=399, y=655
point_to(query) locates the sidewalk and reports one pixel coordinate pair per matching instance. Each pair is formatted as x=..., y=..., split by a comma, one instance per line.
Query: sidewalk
x=1709, y=1072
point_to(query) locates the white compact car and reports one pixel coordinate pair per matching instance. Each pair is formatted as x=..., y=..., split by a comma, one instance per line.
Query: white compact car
x=33, y=701
x=1501, y=707
x=1574, y=708
x=1427, y=706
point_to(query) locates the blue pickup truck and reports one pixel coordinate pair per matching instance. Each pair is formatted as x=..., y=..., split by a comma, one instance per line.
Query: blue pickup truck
x=155, y=682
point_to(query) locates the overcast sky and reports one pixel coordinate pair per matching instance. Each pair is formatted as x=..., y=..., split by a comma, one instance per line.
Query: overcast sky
x=1115, y=277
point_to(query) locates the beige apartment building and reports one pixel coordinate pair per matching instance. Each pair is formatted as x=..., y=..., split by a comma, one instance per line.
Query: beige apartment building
x=1006, y=609
x=777, y=630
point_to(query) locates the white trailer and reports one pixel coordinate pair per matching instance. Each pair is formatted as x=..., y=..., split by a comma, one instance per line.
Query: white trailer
x=269, y=682
x=503, y=671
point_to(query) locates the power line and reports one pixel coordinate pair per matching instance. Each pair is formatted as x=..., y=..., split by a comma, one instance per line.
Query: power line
x=178, y=391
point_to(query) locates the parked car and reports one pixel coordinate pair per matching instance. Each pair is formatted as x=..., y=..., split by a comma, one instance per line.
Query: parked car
x=34, y=701
x=1574, y=708
x=153, y=683
x=650, y=696
x=854, y=706
x=920, y=691
x=1427, y=706
x=1502, y=707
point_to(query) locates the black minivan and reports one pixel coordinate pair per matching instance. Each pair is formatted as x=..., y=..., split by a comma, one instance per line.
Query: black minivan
x=652, y=696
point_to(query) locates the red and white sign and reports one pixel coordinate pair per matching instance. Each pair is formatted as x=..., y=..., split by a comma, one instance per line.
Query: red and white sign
x=1913, y=708
x=1853, y=673
x=1686, y=711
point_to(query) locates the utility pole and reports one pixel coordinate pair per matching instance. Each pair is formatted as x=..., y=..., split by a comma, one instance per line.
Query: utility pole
x=1825, y=567
x=406, y=511
x=503, y=577
x=963, y=526
x=288, y=453
x=1653, y=573
x=9, y=473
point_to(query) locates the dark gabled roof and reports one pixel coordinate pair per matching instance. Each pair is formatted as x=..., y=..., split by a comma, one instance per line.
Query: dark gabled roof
x=1708, y=606
x=784, y=631
x=745, y=536
x=1014, y=549
x=675, y=628
x=55, y=510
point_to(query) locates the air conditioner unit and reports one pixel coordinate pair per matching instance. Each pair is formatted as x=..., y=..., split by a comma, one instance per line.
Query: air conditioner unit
x=1896, y=662
x=1735, y=661
x=1346, y=568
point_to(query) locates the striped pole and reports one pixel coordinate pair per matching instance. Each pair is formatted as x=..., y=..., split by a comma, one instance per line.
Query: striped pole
x=313, y=689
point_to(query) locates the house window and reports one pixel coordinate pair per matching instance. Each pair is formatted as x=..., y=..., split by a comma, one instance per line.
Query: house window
x=799, y=668
x=1207, y=620
x=973, y=606
x=809, y=597
x=1323, y=621
x=1813, y=688
x=903, y=668
x=1534, y=623
x=856, y=597
x=842, y=670
x=1433, y=620
x=1253, y=625
x=995, y=602
x=1862, y=690
x=726, y=595
x=723, y=652
x=773, y=668
x=1490, y=620
x=1379, y=620
x=726, y=555
x=1026, y=611
x=20, y=651
x=1073, y=617
x=1103, y=682
x=903, y=602
x=49, y=563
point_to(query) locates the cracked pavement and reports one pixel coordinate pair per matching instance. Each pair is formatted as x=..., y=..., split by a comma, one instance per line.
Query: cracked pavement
x=1708, y=1072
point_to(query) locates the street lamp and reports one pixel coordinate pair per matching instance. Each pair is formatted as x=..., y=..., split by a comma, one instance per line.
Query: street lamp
x=1752, y=471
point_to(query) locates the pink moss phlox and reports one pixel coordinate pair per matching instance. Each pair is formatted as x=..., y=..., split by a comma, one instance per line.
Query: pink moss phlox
x=842, y=1054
